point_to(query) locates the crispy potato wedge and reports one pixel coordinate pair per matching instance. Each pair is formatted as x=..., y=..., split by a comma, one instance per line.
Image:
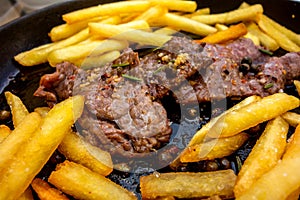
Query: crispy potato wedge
x=264, y=155
x=231, y=17
x=15, y=141
x=4, y=132
x=232, y=33
x=18, y=109
x=82, y=183
x=17, y=176
x=27, y=195
x=279, y=36
x=264, y=39
x=188, y=184
x=248, y=116
x=109, y=9
x=216, y=148
x=292, y=118
x=45, y=191
x=77, y=150
x=282, y=180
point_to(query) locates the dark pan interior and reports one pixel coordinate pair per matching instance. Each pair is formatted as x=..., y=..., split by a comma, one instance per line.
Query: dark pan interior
x=32, y=30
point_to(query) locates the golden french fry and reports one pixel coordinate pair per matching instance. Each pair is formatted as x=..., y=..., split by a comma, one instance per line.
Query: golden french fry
x=4, y=132
x=232, y=33
x=79, y=51
x=248, y=116
x=15, y=141
x=77, y=150
x=27, y=195
x=264, y=155
x=283, y=41
x=108, y=9
x=202, y=11
x=184, y=6
x=185, y=24
x=294, y=195
x=264, y=39
x=43, y=111
x=283, y=179
x=82, y=183
x=188, y=184
x=45, y=191
x=166, y=31
x=18, y=109
x=200, y=135
x=98, y=61
x=152, y=13
x=216, y=148
x=252, y=37
x=297, y=85
x=221, y=27
x=64, y=31
x=34, y=154
x=231, y=17
x=292, y=118
x=130, y=34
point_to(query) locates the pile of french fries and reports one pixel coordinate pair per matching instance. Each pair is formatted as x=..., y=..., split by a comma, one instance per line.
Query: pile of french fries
x=94, y=36
x=97, y=34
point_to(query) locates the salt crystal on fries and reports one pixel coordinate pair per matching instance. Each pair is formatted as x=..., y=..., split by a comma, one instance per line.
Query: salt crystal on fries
x=282, y=180
x=188, y=184
x=216, y=148
x=231, y=17
x=248, y=116
x=108, y=9
x=77, y=150
x=82, y=183
x=232, y=33
x=263, y=156
x=46, y=192
x=17, y=176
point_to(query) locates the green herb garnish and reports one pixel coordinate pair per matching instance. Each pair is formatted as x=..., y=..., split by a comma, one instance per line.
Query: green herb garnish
x=121, y=65
x=159, y=69
x=133, y=78
x=268, y=85
x=266, y=52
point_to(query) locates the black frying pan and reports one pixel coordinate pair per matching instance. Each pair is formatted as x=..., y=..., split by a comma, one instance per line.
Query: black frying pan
x=32, y=30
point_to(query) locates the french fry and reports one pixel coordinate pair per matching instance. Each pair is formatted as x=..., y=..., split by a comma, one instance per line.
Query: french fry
x=43, y=111
x=297, y=85
x=4, y=132
x=82, y=183
x=98, y=61
x=221, y=27
x=264, y=39
x=283, y=41
x=46, y=192
x=183, y=6
x=235, y=16
x=216, y=148
x=264, y=155
x=248, y=116
x=232, y=33
x=18, y=109
x=252, y=37
x=109, y=9
x=151, y=13
x=202, y=11
x=292, y=118
x=80, y=51
x=185, y=24
x=166, y=31
x=129, y=34
x=64, y=31
x=188, y=184
x=282, y=180
x=77, y=150
x=17, y=138
x=40, y=54
x=27, y=195
x=34, y=154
